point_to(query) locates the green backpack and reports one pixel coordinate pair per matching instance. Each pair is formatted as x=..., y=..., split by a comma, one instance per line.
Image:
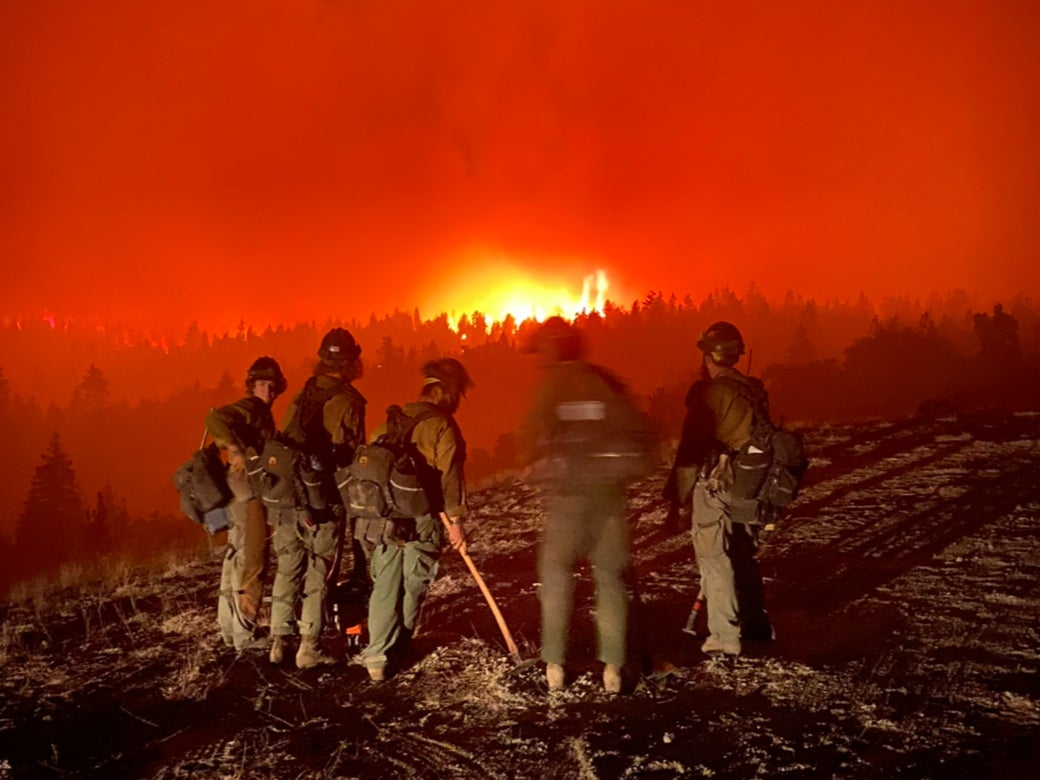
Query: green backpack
x=770, y=466
x=202, y=483
x=388, y=478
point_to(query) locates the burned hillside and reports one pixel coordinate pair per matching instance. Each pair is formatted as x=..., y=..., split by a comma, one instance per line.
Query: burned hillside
x=903, y=585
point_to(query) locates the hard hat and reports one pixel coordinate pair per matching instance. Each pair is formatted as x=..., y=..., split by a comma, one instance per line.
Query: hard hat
x=266, y=368
x=557, y=339
x=723, y=342
x=338, y=346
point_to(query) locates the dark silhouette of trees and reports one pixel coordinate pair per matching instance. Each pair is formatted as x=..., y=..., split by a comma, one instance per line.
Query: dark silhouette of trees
x=226, y=389
x=1001, y=378
x=92, y=393
x=801, y=349
x=137, y=410
x=999, y=346
x=50, y=528
x=898, y=367
x=389, y=355
x=98, y=536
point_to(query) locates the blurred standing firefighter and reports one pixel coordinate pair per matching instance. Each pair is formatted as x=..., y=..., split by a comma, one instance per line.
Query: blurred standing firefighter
x=591, y=439
x=406, y=550
x=242, y=429
x=323, y=426
x=720, y=410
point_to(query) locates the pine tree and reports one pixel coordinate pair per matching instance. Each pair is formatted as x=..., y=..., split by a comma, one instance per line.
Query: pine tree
x=50, y=528
x=389, y=355
x=999, y=347
x=92, y=393
x=801, y=350
x=98, y=529
x=225, y=391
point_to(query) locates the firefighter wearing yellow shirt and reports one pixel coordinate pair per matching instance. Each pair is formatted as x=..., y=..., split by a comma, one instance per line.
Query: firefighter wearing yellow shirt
x=404, y=559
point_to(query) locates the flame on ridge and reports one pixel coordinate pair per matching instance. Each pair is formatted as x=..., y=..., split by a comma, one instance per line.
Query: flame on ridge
x=525, y=298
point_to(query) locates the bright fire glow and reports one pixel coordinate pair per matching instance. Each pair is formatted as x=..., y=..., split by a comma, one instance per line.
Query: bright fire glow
x=505, y=291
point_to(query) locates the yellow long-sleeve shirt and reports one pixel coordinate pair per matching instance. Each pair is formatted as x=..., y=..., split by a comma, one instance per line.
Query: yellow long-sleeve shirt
x=439, y=440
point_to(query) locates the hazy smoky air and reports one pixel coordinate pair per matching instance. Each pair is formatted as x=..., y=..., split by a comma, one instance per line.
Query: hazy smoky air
x=275, y=161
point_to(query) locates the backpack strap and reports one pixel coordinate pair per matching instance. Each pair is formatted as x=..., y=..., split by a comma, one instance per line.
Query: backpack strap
x=752, y=391
x=304, y=428
x=312, y=402
x=401, y=434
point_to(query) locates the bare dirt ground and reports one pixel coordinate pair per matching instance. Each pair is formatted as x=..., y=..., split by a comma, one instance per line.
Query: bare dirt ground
x=904, y=586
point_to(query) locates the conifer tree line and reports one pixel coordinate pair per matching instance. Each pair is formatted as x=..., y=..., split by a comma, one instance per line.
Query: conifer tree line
x=95, y=420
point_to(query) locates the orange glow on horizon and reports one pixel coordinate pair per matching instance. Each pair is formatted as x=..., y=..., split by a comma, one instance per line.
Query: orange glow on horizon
x=505, y=290
x=331, y=160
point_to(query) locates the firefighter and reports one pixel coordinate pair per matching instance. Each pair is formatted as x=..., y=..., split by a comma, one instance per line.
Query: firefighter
x=324, y=425
x=242, y=429
x=591, y=439
x=406, y=550
x=719, y=420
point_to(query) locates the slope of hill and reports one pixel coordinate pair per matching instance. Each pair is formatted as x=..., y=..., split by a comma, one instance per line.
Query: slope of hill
x=904, y=586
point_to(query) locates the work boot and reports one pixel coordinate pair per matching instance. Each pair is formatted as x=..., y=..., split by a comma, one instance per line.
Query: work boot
x=310, y=655
x=277, y=654
x=714, y=646
x=252, y=643
x=612, y=678
x=377, y=674
x=554, y=675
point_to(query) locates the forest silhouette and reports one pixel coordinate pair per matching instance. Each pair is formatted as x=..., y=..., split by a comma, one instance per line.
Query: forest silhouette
x=96, y=419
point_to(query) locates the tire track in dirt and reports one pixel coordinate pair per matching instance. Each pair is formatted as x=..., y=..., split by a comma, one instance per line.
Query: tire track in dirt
x=415, y=754
x=821, y=584
x=833, y=496
x=852, y=454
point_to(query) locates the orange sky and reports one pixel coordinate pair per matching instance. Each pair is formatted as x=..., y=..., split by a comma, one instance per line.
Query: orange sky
x=175, y=159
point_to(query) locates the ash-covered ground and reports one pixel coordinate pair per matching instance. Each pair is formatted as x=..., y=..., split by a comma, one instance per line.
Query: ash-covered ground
x=904, y=586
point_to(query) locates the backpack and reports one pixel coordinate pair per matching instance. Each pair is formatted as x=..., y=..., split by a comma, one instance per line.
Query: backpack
x=770, y=466
x=202, y=483
x=386, y=478
x=281, y=462
x=297, y=460
x=307, y=427
x=603, y=439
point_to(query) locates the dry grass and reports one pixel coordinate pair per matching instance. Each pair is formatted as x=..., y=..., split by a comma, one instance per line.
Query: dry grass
x=254, y=754
x=72, y=574
x=465, y=674
x=11, y=645
x=33, y=591
x=189, y=681
x=90, y=584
